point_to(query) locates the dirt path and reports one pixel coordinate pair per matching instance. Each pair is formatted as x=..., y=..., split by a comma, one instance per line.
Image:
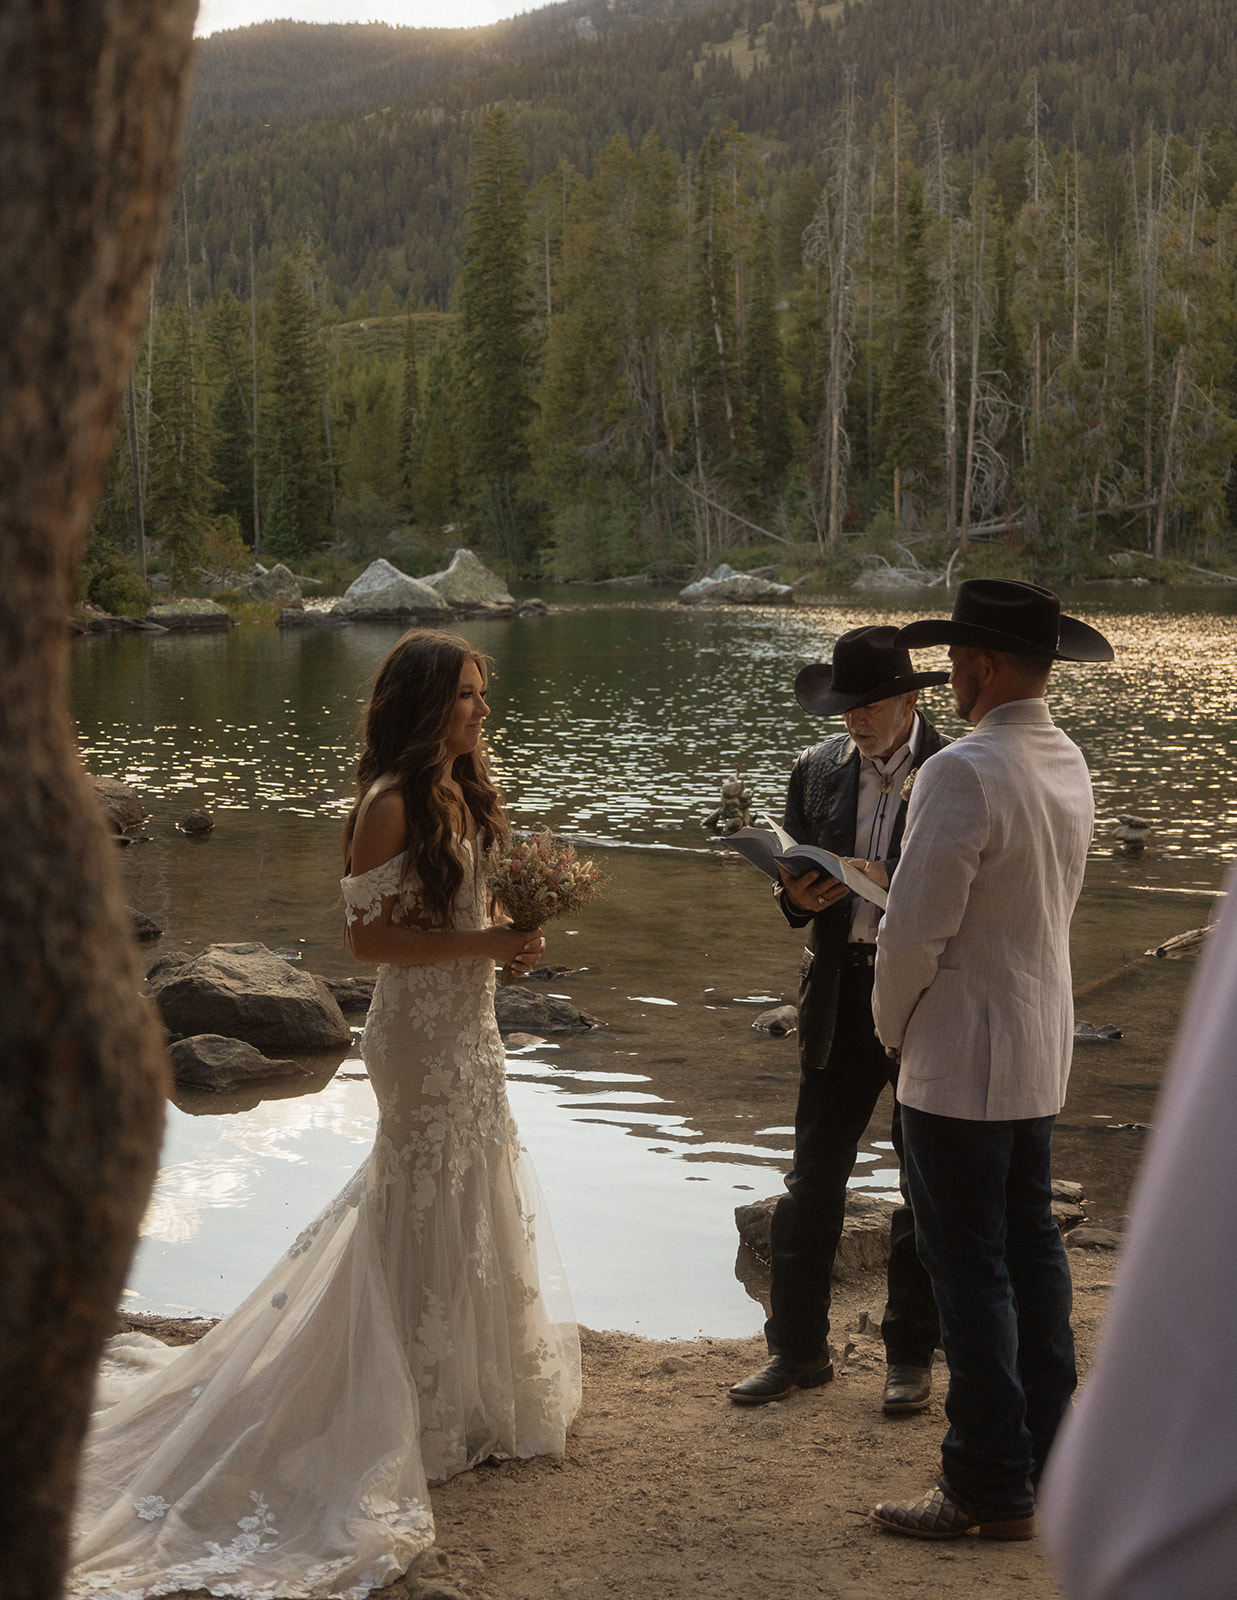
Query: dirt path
x=667, y=1490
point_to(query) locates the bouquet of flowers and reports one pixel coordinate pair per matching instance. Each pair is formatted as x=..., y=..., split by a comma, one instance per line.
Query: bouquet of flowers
x=540, y=877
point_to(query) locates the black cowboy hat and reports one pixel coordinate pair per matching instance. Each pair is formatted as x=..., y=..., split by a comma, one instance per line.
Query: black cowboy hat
x=1020, y=619
x=867, y=666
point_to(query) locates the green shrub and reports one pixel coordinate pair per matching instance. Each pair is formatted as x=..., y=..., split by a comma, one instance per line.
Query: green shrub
x=117, y=588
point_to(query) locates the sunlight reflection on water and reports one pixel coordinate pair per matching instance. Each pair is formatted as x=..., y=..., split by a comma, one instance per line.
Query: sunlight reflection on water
x=618, y=724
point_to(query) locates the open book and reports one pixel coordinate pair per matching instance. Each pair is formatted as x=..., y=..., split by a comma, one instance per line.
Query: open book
x=767, y=848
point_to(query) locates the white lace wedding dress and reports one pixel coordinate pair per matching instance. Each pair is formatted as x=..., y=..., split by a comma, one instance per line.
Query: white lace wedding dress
x=418, y=1326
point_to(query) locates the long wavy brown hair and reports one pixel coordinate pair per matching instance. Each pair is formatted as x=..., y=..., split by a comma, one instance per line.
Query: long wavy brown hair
x=404, y=729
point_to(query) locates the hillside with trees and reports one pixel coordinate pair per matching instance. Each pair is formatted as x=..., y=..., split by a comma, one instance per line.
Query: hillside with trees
x=630, y=289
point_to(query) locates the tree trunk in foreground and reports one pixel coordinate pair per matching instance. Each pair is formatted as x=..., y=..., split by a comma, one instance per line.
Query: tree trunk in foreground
x=93, y=93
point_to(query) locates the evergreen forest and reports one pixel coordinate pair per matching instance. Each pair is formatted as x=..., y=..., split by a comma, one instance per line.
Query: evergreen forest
x=635, y=286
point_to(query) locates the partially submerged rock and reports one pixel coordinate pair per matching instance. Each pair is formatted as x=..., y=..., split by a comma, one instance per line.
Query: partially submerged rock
x=352, y=994
x=778, y=1022
x=190, y=616
x=292, y=617
x=525, y=1011
x=212, y=1061
x=122, y=805
x=145, y=929
x=467, y=582
x=246, y=992
x=384, y=591
x=277, y=585
x=724, y=586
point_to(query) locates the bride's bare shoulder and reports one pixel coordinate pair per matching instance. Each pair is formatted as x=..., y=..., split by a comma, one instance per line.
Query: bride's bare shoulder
x=381, y=826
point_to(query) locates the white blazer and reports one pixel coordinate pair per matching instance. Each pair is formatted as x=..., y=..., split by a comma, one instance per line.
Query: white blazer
x=972, y=962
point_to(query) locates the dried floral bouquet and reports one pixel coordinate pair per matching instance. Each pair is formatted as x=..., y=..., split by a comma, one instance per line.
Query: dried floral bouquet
x=540, y=877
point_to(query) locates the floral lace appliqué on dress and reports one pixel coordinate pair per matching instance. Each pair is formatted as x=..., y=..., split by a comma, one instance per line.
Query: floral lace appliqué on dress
x=417, y=1326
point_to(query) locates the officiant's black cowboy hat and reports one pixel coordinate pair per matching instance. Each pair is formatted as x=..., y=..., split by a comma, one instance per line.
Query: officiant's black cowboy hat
x=1017, y=618
x=867, y=666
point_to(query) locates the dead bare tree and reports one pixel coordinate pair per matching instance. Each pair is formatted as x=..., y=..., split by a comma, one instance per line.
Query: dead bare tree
x=94, y=99
x=831, y=243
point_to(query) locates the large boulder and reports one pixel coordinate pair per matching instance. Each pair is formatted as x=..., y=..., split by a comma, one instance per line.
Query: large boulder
x=190, y=616
x=210, y=1061
x=245, y=991
x=384, y=591
x=726, y=587
x=466, y=582
x=276, y=584
x=122, y=806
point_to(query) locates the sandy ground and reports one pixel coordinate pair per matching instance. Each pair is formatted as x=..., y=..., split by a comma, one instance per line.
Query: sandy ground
x=667, y=1490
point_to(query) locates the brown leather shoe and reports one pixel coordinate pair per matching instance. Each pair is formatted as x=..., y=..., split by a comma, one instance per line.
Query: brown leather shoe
x=907, y=1389
x=780, y=1377
x=936, y=1516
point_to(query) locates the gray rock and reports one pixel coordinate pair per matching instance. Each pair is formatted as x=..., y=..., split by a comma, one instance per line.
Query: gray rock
x=778, y=1022
x=521, y=1010
x=1091, y=1033
x=211, y=1061
x=290, y=617
x=246, y=992
x=724, y=586
x=196, y=822
x=865, y=1233
x=384, y=591
x=122, y=806
x=1067, y=1215
x=888, y=577
x=144, y=928
x=466, y=582
x=1093, y=1239
x=352, y=994
x=190, y=616
x=275, y=583
x=864, y=1244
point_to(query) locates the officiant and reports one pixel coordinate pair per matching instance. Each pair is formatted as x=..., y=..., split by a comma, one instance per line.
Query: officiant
x=848, y=795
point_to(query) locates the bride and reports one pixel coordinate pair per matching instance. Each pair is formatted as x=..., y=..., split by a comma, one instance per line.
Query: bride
x=420, y=1324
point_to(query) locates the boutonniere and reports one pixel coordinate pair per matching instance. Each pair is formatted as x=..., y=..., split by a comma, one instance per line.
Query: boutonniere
x=904, y=793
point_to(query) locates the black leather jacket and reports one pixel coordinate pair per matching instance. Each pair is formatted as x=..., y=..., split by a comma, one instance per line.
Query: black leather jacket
x=822, y=800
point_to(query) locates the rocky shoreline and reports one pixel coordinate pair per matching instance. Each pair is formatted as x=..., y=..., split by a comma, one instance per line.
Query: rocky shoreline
x=668, y=1490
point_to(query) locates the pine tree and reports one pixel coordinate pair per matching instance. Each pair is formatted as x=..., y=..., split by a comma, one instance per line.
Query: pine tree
x=607, y=406
x=231, y=461
x=763, y=378
x=496, y=350
x=718, y=413
x=435, y=445
x=409, y=416
x=910, y=402
x=297, y=508
x=180, y=487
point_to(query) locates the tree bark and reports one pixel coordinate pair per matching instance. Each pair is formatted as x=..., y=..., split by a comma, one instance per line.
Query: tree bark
x=94, y=94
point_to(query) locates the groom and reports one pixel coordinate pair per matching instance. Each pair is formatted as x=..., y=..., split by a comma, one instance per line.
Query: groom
x=973, y=999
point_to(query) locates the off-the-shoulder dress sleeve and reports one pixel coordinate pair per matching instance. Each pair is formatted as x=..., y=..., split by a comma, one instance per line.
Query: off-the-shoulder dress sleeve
x=363, y=894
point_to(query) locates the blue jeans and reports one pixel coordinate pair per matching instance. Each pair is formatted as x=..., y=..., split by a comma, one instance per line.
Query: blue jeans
x=982, y=1197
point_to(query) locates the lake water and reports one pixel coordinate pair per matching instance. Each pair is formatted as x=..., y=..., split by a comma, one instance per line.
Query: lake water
x=616, y=722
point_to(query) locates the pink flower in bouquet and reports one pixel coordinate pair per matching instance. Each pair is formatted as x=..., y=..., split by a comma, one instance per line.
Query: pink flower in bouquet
x=540, y=877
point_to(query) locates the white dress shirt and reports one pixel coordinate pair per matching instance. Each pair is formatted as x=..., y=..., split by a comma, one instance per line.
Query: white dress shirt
x=874, y=819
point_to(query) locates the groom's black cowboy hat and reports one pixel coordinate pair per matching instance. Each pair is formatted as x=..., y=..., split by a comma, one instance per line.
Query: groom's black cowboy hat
x=867, y=666
x=1019, y=619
